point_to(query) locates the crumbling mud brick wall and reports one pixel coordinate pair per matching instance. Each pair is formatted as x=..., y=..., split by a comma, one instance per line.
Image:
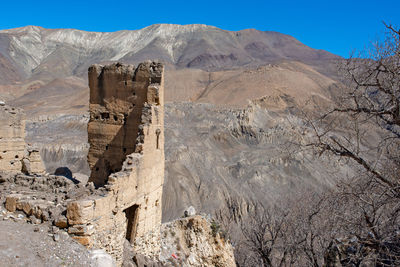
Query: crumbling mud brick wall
x=126, y=156
x=15, y=155
x=12, y=138
x=118, y=94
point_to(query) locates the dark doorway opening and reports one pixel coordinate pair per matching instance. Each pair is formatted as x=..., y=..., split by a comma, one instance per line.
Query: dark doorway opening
x=131, y=214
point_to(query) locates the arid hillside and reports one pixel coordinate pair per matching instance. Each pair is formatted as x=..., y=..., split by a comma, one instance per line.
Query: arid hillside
x=232, y=100
x=43, y=70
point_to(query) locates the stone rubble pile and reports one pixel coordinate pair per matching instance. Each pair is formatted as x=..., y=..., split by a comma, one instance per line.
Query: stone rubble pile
x=41, y=198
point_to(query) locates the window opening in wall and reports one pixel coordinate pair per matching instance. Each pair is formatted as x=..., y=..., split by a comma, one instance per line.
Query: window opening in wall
x=115, y=117
x=124, y=149
x=131, y=214
x=105, y=115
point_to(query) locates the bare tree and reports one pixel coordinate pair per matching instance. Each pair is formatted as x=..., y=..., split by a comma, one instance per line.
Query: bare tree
x=264, y=231
x=293, y=233
x=358, y=222
x=363, y=127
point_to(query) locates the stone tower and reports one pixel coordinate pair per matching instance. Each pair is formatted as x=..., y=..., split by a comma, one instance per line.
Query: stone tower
x=126, y=157
x=120, y=96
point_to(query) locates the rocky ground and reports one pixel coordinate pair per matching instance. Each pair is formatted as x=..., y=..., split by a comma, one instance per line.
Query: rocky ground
x=39, y=246
x=32, y=209
x=33, y=222
x=195, y=241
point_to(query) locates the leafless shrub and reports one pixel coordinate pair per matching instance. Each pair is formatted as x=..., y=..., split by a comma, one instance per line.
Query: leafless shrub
x=363, y=127
x=358, y=222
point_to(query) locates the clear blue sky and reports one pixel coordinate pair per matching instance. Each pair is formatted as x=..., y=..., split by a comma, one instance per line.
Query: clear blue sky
x=336, y=25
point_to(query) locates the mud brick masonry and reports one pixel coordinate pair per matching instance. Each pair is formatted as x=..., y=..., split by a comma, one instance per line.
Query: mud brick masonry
x=15, y=154
x=126, y=157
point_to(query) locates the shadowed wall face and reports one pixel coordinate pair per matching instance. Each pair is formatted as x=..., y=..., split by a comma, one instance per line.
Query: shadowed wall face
x=117, y=95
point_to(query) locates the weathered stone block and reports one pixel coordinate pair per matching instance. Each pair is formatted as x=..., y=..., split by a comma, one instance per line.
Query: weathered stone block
x=61, y=222
x=84, y=240
x=37, y=211
x=81, y=230
x=11, y=202
x=80, y=212
x=27, y=207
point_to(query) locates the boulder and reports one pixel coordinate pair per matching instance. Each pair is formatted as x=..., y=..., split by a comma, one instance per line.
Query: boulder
x=33, y=161
x=26, y=166
x=81, y=178
x=100, y=258
x=191, y=211
x=11, y=202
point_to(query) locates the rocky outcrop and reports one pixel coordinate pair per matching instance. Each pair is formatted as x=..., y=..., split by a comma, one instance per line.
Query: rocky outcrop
x=195, y=241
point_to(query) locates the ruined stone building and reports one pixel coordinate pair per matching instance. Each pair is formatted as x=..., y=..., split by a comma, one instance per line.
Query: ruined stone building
x=12, y=141
x=126, y=157
x=15, y=155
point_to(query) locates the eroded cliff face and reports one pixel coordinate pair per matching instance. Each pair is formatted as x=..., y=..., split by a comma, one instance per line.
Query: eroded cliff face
x=62, y=141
